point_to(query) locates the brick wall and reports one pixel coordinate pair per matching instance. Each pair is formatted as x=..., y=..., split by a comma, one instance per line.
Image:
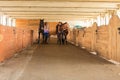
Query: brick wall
x=52, y=26
x=34, y=24
x=13, y=40
x=30, y=25
x=104, y=39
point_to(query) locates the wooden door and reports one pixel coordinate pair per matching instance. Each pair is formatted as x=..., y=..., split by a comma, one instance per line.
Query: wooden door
x=114, y=46
x=118, y=39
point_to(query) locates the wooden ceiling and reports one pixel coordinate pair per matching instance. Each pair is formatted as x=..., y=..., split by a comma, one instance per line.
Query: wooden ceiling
x=57, y=9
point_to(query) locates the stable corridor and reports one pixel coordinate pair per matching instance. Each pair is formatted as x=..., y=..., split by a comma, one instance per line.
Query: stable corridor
x=58, y=62
x=90, y=26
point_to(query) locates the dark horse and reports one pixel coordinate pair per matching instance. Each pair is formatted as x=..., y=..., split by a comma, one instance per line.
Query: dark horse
x=41, y=30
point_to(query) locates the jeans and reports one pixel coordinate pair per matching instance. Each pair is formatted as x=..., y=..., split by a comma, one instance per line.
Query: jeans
x=46, y=35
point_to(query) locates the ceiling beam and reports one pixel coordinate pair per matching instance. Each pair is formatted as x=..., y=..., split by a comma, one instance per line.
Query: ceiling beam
x=64, y=9
x=51, y=9
x=39, y=13
x=79, y=7
x=58, y=4
x=69, y=0
x=56, y=11
x=52, y=14
x=60, y=19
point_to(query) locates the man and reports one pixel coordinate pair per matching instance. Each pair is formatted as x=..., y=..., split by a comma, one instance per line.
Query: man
x=65, y=32
x=58, y=28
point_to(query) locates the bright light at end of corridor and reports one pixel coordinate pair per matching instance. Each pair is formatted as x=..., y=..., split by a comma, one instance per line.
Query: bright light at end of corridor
x=79, y=23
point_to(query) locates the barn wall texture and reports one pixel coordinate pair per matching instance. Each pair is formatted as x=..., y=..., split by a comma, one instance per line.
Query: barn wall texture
x=103, y=39
x=34, y=25
x=13, y=40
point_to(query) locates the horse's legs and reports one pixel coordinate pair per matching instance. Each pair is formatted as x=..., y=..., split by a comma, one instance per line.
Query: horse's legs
x=63, y=41
x=66, y=39
x=57, y=38
x=39, y=38
x=43, y=38
x=60, y=39
x=63, y=38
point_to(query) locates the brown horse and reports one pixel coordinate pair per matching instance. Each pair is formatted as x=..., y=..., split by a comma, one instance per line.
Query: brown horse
x=62, y=34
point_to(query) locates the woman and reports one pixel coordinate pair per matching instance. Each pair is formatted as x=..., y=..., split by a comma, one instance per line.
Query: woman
x=46, y=33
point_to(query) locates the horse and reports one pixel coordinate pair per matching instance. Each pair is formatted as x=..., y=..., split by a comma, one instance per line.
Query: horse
x=41, y=30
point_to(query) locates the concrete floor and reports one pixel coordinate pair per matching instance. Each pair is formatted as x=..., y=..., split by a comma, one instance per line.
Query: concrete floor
x=58, y=62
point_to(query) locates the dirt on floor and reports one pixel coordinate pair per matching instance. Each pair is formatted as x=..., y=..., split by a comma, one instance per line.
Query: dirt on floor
x=13, y=68
x=58, y=62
